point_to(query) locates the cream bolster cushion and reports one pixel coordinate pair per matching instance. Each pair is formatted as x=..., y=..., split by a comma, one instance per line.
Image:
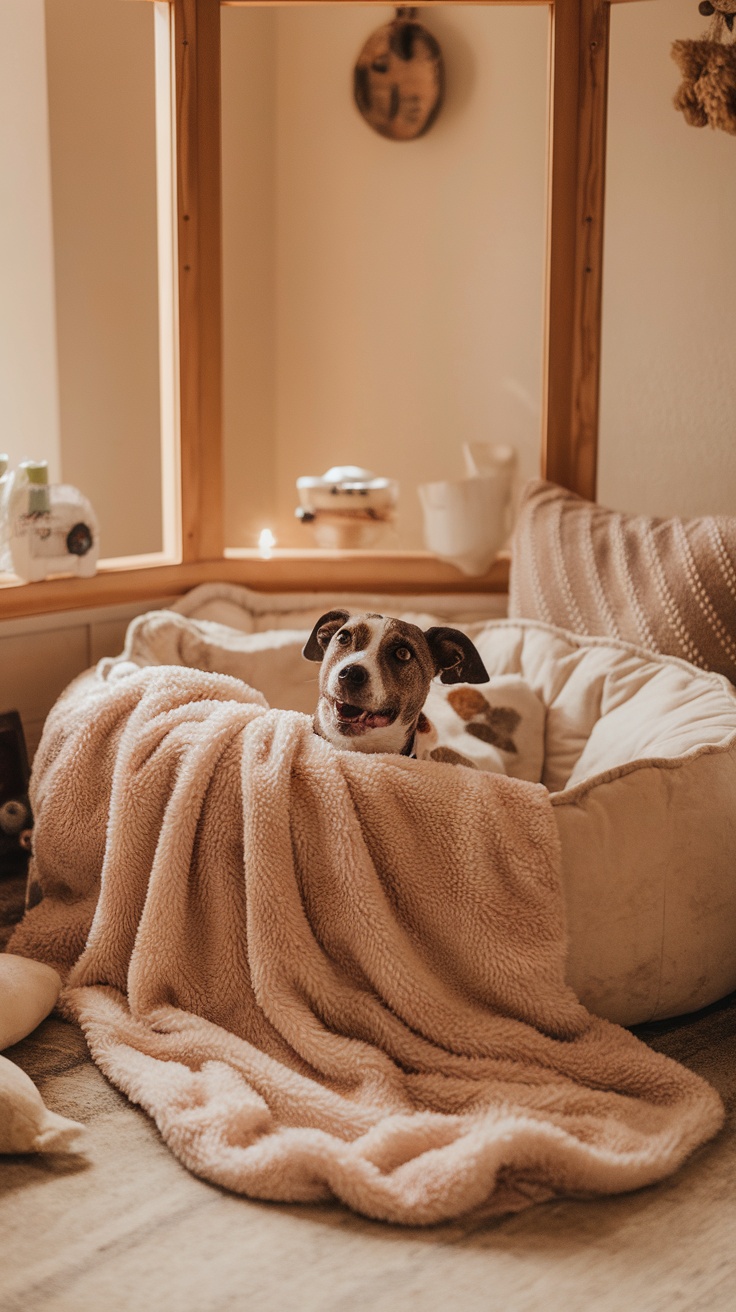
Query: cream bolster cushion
x=28, y=991
x=666, y=584
x=26, y=1124
x=640, y=758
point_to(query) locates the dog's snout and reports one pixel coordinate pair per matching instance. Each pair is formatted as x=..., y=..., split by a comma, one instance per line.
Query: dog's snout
x=354, y=675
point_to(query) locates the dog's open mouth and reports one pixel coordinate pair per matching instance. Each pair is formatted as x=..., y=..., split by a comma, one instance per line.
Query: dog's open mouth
x=355, y=719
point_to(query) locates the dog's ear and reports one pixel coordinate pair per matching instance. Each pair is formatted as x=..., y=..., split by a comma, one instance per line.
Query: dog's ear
x=318, y=641
x=456, y=659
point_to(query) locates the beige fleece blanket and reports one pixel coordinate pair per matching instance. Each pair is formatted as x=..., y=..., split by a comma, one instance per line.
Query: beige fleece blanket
x=327, y=974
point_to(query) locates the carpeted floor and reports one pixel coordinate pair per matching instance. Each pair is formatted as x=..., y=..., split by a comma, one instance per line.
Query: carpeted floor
x=125, y=1227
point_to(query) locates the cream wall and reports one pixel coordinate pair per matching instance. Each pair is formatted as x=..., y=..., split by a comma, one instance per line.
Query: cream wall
x=249, y=58
x=103, y=167
x=668, y=414
x=407, y=277
x=28, y=369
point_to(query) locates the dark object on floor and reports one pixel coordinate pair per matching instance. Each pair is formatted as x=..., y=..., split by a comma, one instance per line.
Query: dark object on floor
x=16, y=820
x=12, y=905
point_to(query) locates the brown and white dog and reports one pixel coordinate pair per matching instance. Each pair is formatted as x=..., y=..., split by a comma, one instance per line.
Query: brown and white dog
x=375, y=677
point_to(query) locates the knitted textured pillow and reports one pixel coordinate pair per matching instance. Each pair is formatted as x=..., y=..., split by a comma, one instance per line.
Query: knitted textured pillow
x=665, y=584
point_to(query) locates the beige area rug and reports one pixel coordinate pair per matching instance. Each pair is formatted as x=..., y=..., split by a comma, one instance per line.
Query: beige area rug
x=127, y=1227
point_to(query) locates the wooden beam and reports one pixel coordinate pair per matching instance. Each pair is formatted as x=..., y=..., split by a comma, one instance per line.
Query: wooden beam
x=426, y=4
x=197, y=70
x=578, y=88
x=286, y=571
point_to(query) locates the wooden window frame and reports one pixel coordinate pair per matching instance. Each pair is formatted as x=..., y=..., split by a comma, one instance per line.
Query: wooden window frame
x=578, y=76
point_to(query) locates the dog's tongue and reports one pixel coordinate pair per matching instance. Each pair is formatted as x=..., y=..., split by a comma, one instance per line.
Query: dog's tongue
x=370, y=719
x=376, y=721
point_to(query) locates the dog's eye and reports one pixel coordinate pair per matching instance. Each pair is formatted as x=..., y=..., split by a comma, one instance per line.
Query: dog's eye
x=402, y=654
x=343, y=637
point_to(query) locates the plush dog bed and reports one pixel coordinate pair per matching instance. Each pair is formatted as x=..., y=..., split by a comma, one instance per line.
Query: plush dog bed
x=637, y=750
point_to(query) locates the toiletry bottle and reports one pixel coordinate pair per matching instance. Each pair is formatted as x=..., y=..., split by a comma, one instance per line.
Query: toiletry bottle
x=29, y=519
x=37, y=474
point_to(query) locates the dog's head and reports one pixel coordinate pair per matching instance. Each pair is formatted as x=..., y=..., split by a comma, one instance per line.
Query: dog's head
x=375, y=677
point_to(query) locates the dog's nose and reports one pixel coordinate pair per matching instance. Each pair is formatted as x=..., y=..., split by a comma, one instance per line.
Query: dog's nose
x=355, y=675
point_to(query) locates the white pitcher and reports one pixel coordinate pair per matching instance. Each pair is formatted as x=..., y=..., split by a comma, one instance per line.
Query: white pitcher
x=467, y=520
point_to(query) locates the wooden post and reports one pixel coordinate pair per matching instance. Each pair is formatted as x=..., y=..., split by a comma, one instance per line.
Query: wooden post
x=197, y=66
x=577, y=154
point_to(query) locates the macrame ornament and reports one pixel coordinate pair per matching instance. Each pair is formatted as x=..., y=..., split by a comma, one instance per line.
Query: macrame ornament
x=398, y=81
x=707, y=94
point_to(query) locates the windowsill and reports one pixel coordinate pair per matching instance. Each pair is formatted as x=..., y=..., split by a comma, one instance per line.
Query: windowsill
x=136, y=578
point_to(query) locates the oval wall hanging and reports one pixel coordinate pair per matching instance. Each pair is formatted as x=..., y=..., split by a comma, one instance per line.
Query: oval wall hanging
x=398, y=82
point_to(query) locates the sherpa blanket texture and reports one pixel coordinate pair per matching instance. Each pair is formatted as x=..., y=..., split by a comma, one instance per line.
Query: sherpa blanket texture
x=325, y=974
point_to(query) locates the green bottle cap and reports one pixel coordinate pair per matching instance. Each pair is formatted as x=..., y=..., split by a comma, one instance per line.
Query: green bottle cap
x=37, y=471
x=4, y=462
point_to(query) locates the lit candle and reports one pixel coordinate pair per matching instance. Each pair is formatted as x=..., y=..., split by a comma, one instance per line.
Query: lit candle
x=266, y=541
